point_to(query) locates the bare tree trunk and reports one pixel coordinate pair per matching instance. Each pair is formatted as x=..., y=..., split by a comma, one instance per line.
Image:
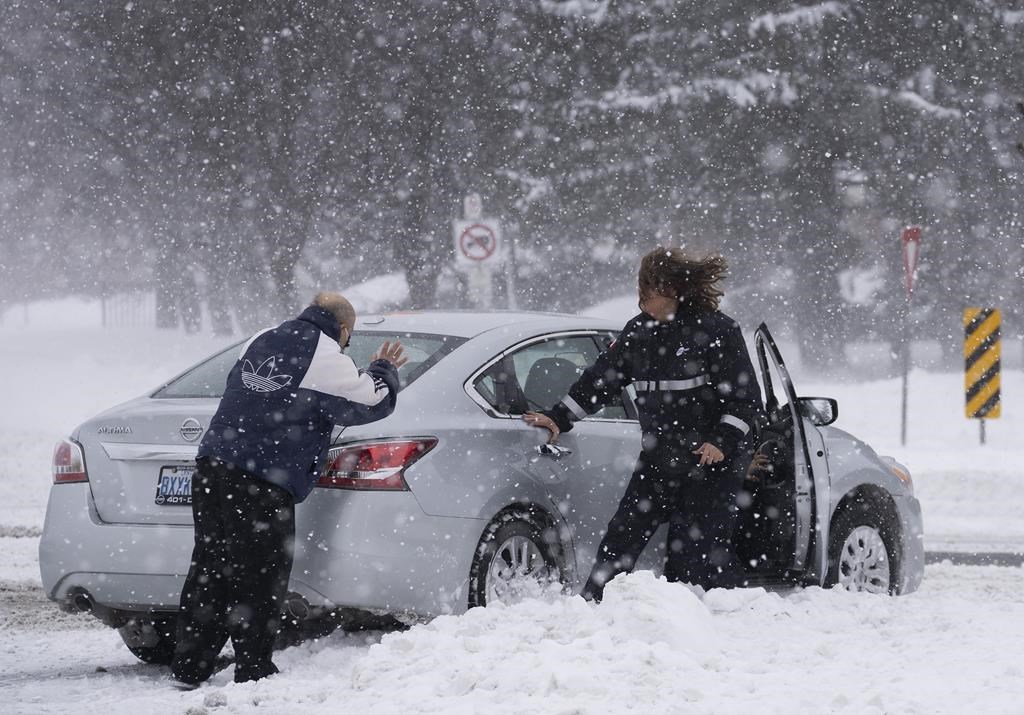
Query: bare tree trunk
x=286, y=234
x=411, y=252
x=164, y=276
x=411, y=247
x=282, y=272
x=217, y=305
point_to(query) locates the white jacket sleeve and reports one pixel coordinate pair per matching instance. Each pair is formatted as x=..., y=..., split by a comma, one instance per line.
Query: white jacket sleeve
x=347, y=394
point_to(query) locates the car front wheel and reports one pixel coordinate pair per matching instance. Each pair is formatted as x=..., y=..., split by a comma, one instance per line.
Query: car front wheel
x=861, y=554
x=516, y=558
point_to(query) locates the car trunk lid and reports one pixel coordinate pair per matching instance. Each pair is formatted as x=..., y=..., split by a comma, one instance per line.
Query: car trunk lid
x=130, y=449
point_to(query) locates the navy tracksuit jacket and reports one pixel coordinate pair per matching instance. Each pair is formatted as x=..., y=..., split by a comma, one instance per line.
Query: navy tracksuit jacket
x=291, y=385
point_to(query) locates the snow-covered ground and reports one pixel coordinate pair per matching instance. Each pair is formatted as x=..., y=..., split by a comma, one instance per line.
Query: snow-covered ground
x=651, y=647
x=953, y=647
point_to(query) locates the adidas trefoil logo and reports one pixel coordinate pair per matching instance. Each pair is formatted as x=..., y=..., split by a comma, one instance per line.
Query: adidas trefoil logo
x=263, y=379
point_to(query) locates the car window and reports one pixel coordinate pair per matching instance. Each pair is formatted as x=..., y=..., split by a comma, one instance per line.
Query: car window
x=500, y=389
x=208, y=378
x=547, y=370
x=539, y=375
x=614, y=410
x=776, y=387
x=423, y=350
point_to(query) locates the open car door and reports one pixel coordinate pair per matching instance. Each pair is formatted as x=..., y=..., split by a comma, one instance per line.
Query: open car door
x=807, y=459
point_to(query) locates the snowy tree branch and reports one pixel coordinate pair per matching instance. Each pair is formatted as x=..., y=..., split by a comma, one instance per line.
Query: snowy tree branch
x=742, y=92
x=800, y=15
x=593, y=10
x=915, y=101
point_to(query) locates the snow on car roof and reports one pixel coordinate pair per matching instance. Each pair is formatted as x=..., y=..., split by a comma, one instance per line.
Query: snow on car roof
x=469, y=323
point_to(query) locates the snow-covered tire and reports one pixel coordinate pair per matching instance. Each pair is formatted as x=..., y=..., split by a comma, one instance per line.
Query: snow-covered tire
x=151, y=640
x=517, y=557
x=861, y=553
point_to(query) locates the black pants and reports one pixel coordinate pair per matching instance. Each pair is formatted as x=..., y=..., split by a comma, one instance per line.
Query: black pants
x=699, y=504
x=236, y=585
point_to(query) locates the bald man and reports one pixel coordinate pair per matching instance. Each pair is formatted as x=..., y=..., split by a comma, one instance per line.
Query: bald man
x=262, y=455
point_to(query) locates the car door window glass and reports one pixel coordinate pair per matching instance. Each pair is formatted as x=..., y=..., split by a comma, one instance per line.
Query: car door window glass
x=499, y=388
x=547, y=370
x=775, y=392
x=615, y=409
x=539, y=376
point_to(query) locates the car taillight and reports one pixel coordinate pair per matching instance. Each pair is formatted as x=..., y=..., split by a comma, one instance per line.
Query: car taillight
x=68, y=463
x=374, y=465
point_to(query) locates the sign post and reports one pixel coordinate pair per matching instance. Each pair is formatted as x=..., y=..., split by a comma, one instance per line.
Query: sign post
x=472, y=207
x=911, y=240
x=478, y=249
x=981, y=365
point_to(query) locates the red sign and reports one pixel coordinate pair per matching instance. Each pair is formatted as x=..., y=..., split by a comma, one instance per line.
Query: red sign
x=911, y=240
x=478, y=242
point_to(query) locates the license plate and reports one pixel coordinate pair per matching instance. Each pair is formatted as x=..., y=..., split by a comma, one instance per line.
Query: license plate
x=175, y=486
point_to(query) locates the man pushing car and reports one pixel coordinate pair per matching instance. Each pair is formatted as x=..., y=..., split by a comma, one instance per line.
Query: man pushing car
x=262, y=454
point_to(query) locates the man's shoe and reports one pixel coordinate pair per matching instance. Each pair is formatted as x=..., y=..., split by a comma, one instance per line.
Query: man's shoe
x=248, y=675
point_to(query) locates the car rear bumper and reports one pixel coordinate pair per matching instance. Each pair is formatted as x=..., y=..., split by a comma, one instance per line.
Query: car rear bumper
x=371, y=550
x=131, y=567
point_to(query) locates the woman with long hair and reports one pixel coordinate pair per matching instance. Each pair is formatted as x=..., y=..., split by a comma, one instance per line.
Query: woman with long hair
x=699, y=405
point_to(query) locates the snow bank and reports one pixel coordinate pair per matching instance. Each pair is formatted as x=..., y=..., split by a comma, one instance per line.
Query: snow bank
x=650, y=647
x=379, y=294
x=553, y=652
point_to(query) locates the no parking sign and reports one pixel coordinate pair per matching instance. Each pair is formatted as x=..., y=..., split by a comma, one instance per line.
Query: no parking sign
x=477, y=242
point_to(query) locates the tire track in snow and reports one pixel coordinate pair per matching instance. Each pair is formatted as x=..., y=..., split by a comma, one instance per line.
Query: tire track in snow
x=24, y=607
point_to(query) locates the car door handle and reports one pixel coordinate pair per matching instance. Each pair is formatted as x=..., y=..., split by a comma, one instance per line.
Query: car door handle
x=552, y=450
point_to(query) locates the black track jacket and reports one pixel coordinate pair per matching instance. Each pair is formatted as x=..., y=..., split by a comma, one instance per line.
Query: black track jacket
x=693, y=379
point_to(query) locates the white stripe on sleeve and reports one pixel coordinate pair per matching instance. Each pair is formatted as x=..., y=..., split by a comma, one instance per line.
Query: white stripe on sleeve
x=575, y=408
x=735, y=422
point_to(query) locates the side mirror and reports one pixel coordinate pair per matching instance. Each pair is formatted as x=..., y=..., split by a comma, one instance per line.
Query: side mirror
x=820, y=411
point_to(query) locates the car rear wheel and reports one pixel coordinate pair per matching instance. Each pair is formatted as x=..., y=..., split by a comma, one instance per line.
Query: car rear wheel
x=861, y=554
x=151, y=640
x=516, y=558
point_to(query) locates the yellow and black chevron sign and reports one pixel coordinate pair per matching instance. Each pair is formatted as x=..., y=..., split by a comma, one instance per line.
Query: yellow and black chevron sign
x=981, y=362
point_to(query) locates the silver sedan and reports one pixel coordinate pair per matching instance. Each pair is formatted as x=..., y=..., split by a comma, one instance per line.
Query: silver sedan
x=450, y=502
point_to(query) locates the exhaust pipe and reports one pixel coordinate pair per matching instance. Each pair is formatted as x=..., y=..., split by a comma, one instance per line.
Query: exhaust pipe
x=297, y=607
x=82, y=601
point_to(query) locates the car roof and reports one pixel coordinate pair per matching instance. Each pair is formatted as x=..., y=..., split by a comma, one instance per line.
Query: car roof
x=470, y=323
